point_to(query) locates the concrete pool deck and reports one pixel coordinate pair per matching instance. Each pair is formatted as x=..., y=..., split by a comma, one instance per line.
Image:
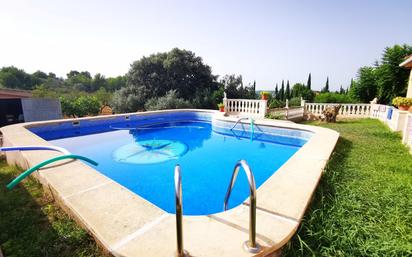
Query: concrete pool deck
x=128, y=225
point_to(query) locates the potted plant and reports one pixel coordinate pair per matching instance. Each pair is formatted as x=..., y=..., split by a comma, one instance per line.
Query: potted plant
x=265, y=95
x=221, y=107
x=402, y=103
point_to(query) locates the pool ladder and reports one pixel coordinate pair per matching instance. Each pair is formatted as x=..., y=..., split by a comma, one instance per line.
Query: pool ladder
x=179, y=214
x=243, y=118
x=251, y=245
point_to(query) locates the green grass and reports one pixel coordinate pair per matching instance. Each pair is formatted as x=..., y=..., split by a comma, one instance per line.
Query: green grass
x=363, y=204
x=32, y=225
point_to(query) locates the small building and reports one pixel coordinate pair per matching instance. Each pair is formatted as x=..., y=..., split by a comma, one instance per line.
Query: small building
x=19, y=106
x=408, y=64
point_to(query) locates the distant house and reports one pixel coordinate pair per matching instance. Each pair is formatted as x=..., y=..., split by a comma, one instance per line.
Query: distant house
x=19, y=106
x=408, y=64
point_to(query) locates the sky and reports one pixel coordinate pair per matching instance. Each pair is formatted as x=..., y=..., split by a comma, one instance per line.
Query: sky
x=265, y=41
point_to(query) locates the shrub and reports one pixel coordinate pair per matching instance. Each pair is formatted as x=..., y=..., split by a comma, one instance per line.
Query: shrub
x=333, y=98
x=275, y=116
x=80, y=106
x=169, y=101
x=127, y=100
x=295, y=101
x=275, y=103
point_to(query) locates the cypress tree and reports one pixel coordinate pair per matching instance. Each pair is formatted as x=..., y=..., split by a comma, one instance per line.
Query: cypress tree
x=282, y=91
x=309, y=85
x=326, y=88
x=341, y=90
x=254, y=89
x=276, y=91
x=287, y=92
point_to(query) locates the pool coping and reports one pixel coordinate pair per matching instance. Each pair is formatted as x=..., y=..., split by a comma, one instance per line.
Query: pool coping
x=128, y=225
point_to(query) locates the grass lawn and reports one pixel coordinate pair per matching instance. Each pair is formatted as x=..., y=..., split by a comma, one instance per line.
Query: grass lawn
x=363, y=204
x=32, y=225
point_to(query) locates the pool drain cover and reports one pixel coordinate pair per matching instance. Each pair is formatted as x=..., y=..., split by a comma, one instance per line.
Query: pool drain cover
x=150, y=151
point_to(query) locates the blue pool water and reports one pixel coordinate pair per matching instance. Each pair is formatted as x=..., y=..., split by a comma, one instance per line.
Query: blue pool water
x=143, y=160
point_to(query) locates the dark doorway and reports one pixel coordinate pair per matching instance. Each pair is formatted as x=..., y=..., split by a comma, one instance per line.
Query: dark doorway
x=10, y=112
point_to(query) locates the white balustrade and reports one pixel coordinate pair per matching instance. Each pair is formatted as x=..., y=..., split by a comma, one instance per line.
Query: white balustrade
x=245, y=107
x=347, y=110
x=295, y=113
x=407, y=132
x=380, y=111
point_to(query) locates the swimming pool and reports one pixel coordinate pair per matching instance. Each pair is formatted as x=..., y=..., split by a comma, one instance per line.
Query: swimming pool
x=141, y=154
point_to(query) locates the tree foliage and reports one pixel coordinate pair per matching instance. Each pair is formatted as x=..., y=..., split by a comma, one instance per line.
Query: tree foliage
x=235, y=88
x=168, y=101
x=331, y=97
x=326, y=88
x=392, y=79
x=12, y=77
x=309, y=83
x=385, y=79
x=282, y=92
x=365, y=88
x=287, y=90
x=300, y=90
x=154, y=76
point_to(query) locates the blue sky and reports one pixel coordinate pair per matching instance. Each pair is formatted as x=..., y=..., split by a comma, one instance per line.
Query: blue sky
x=266, y=41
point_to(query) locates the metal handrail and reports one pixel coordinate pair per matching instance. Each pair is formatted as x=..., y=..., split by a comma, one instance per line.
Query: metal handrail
x=251, y=245
x=244, y=118
x=179, y=213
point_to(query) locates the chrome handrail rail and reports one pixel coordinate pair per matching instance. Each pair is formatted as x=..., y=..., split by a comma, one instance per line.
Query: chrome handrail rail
x=251, y=245
x=244, y=118
x=179, y=213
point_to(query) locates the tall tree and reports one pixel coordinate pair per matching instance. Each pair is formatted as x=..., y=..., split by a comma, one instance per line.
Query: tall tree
x=276, y=92
x=287, y=91
x=392, y=79
x=154, y=76
x=300, y=90
x=326, y=88
x=365, y=88
x=282, y=91
x=309, y=83
x=341, y=90
x=12, y=77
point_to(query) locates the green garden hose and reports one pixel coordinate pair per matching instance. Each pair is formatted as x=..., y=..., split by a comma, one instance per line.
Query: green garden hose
x=12, y=184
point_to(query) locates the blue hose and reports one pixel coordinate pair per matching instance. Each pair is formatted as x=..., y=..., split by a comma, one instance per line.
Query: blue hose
x=34, y=148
